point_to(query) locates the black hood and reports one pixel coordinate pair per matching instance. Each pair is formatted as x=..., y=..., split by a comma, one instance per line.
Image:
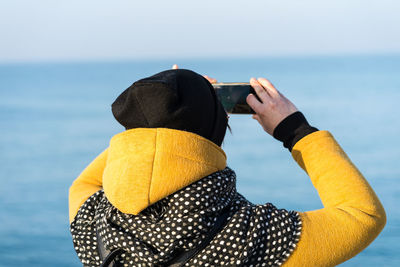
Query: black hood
x=176, y=99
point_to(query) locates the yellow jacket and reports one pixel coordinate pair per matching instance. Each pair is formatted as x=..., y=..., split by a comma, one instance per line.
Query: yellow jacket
x=142, y=166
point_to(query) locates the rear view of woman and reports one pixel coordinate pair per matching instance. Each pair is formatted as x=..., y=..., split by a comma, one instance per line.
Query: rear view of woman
x=162, y=195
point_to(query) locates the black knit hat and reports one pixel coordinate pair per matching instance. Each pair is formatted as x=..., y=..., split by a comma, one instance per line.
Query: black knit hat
x=176, y=99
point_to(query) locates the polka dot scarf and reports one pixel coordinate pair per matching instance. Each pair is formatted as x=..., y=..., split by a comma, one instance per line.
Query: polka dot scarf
x=253, y=235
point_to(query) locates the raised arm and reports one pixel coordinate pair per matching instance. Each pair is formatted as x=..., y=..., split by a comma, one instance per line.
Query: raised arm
x=352, y=216
x=87, y=183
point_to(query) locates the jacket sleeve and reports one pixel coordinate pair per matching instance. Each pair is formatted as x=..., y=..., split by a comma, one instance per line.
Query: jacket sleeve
x=352, y=216
x=87, y=183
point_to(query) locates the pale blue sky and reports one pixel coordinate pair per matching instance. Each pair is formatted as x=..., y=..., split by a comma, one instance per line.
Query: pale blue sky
x=123, y=30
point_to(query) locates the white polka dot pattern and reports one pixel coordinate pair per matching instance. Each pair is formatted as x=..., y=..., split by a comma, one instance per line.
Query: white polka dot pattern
x=254, y=235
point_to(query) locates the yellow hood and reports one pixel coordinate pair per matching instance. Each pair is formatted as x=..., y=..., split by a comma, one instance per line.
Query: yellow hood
x=145, y=165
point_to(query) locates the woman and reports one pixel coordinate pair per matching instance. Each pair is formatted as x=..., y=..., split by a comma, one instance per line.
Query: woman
x=162, y=195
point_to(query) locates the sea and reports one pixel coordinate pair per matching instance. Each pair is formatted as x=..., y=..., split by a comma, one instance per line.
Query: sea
x=56, y=117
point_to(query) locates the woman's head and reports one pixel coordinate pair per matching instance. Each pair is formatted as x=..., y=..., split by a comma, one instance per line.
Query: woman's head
x=176, y=99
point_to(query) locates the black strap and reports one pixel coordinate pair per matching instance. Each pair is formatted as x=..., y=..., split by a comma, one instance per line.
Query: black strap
x=105, y=255
x=181, y=258
x=186, y=256
x=110, y=258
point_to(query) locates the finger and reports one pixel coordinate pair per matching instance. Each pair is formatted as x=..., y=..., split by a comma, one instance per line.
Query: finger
x=254, y=103
x=260, y=91
x=211, y=80
x=256, y=117
x=269, y=86
x=174, y=67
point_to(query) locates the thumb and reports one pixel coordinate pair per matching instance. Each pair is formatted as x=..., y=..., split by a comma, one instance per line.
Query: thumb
x=253, y=103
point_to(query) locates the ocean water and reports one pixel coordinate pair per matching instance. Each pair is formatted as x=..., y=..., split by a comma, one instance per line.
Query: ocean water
x=56, y=117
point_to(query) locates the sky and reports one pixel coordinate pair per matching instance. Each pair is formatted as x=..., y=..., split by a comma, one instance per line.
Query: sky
x=92, y=30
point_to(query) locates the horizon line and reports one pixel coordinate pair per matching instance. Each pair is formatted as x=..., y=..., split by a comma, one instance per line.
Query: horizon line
x=195, y=58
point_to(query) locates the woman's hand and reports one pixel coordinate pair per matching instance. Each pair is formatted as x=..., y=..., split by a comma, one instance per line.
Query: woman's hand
x=211, y=80
x=274, y=106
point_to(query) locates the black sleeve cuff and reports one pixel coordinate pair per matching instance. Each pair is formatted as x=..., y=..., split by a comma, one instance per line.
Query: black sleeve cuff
x=292, y=129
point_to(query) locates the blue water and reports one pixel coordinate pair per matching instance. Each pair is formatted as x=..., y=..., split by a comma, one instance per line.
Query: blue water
x=55, y=118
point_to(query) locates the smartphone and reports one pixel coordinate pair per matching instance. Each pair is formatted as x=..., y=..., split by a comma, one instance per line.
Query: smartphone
x=233, y=97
